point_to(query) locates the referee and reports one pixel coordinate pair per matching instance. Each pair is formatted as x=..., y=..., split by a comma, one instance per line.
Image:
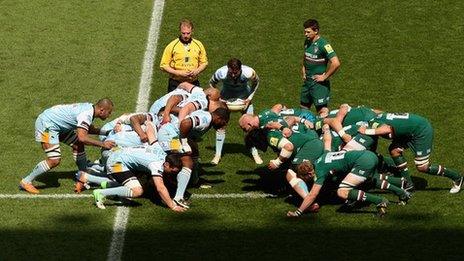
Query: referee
x=184, y=58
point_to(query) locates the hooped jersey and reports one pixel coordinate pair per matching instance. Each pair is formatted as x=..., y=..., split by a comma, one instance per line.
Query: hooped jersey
x=316, y=56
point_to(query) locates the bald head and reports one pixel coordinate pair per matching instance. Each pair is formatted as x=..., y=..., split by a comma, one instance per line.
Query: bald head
x=248, y=122
x=103, y=108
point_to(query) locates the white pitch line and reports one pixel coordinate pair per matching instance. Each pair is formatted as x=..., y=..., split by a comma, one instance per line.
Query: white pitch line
x=251, y=195
x=119, y=232
x=150, y=52
x=122, y=216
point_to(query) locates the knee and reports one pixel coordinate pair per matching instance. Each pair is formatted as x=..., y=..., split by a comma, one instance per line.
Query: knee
x=53, y=162
x=137, y=192
x=343, y=193
x=423, y=168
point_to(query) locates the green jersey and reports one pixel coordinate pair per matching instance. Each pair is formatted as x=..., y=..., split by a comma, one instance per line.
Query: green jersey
x=354, y=116
x=410, y=130
x=405, y=125
x=362, y=163
x=268, y=116
x=369, y=142
x=316, y=56
x=299, y=112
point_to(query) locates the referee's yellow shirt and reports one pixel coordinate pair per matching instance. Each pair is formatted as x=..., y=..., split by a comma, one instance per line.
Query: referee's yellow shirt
x=186, y=57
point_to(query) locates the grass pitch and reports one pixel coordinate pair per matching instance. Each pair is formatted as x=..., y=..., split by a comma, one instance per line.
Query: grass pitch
x=397, y=56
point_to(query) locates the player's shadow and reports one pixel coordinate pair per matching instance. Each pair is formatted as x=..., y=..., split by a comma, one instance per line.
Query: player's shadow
x=51, y=179
x=271, y=182
x=232, y=148
x=420, y=183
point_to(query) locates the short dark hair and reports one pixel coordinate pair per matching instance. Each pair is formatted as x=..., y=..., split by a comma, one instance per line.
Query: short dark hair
x=311, y=23
x=223, y=113
x=105, y=102
x=174, y=160
x=234, y=63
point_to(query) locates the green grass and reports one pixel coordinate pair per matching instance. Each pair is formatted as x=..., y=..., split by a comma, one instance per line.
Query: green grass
x=397, y=56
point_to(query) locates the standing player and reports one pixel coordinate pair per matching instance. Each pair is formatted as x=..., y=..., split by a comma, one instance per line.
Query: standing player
x=411, y=131
x=70, y=124
x=319, y=63
x=238, y=82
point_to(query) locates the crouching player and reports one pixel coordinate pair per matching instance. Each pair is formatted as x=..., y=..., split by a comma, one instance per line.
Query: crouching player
x=122, y=165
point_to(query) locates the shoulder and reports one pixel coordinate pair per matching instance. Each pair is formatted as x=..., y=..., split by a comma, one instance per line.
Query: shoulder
x=172, y=43
x=247, y=71
x=221, y=73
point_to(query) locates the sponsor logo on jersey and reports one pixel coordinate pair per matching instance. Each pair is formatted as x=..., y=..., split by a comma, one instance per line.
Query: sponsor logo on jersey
x=328, y=48
x=274, y=141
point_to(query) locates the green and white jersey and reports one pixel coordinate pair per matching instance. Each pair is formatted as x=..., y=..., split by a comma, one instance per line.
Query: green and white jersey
x=355, y=115
x=299, y=137
x=240, y=88
x=369, y=142
x=268, y=116
x=362, y=163
x=405, y=125
x=316, y=56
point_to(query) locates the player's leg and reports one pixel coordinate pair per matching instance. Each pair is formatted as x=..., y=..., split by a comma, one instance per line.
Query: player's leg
x=423, y=165
x=382, y=182
x=131, y=187
x=49, y=140
x=396, y=152
x=253, y=150
x=348, y=190
x=320, y=95
x=220, y=138
x=305, y=97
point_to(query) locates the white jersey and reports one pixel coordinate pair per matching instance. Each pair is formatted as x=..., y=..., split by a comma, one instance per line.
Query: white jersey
x=233, y=89
x=197, y=97
x=145, y=159
x=201, y=122
x=161, y=102
x=68, y=117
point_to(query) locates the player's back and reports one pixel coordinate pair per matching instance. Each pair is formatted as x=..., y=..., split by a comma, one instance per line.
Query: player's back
x=65, y=116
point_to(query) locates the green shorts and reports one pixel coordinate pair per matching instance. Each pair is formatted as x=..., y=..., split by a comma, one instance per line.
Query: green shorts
x=315, y=93
x=420, y=144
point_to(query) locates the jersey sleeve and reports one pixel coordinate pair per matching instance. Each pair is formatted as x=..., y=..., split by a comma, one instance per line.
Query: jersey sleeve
x=156, y=168
x=201, y=120
x=84, y=119
x=273, y=138
x=203, y=58
x=219, y=75
x=167, y=55
x=328, y=50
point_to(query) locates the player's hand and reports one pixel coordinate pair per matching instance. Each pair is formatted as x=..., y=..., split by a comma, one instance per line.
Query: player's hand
x=319, y=77
x=273, y=125
x=292, y=214
x=178, y=208
x=166, y=118
x=143, y=137
x=272, y=165
x=108, y=144
x=287, y=132
x=346, y=138
x=362, y=129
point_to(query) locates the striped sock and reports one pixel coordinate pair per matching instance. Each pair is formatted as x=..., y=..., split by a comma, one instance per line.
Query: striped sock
x=38, y=170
